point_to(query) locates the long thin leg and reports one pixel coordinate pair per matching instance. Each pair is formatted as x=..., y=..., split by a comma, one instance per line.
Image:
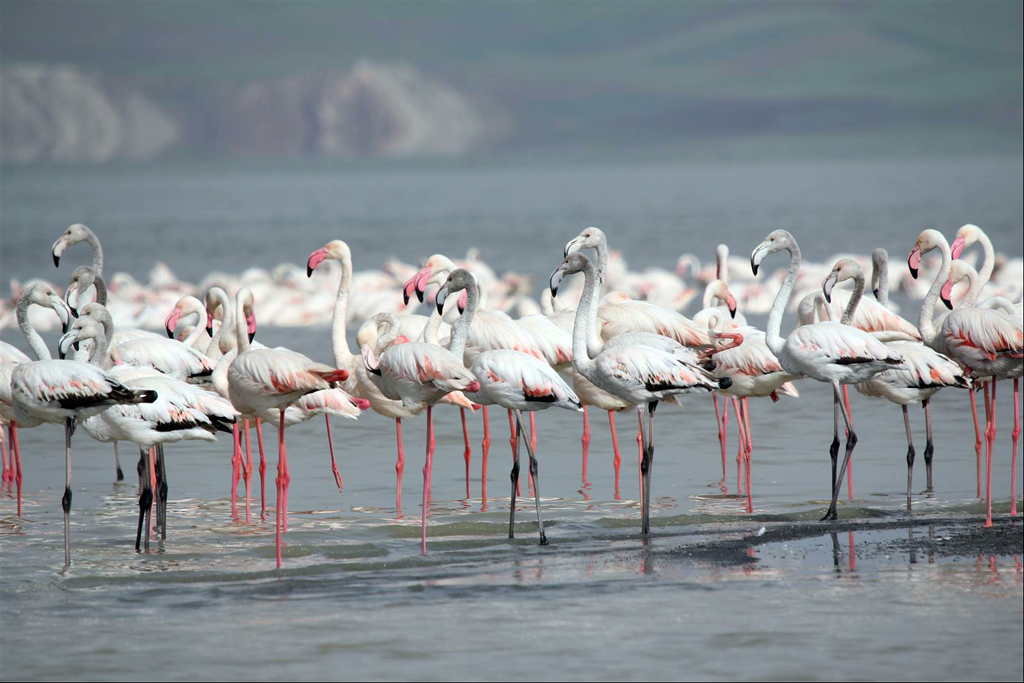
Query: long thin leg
x=977, y=435
x=117, y=463
x=929, y=446
x=514, y=478
x=585, y=441
x=990, y=435
x=334, y=463
x=513, y=441
x=485, y=449
x=280, y=485
x=145, y=502
x=236, y=465
x=151, y=478
x=641, y=440
x=467, y=451
x=910, y=455
x=8, y=468
x=645, y=469
x=534, y=469
x=16, y=456
x=287, y=490
x=849, y=467
x=721, y=420
x=748, y=450
x=161, y=475
x=833, y=450
x=263, y=468
x=851, y=443
x=1013, y=459
x=427, y=467
x=247, y=473
x=615, y=445
x=740, y=449
x=65, y=502
x=399, y=466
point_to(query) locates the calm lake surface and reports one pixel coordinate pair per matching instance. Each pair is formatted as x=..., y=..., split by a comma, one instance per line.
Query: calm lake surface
x=356, y=600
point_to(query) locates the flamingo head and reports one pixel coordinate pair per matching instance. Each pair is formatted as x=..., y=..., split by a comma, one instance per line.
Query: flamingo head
x=42, y=294
x=574, y=263
x=720, y=290
x=591, y=238
x=84, y=328
x=82, y=278
x=958, y=270
x=879, y=263
x=459, y=280
x=776, y=240
x=335, y=250
x=73, y=235
x=926, y=241
x=965, y=237
x=844, y=269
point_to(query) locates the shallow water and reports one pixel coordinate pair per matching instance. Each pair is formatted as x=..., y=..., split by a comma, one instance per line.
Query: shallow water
x=355, y=598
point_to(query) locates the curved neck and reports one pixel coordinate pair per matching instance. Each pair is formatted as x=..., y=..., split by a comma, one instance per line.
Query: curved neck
x=430, y=330
x=196, y=332
x=721, y=264
x=97, y=253
x=586, y=317
x=925, y=324
x=100, y=355
x=343, y=357
x=881, y=275
x=851, y=305
x=773, y=337
x=101, y=289
x=461, y=332
x=227, y=321
x=241, y=329
x=35, y=342
x=988, y=264
x=219, y=378
x=973, y=290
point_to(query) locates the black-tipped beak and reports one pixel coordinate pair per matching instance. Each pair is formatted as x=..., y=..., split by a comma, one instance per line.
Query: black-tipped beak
x=56, y=261
x=419, y=294
x=440, y=298
x=556, y=280
x=309, y=270
x=732, y=312
x=753, y=266
x=209, y=330
x=913, y=272
x=170, y=333
x=252, y=335
x=947, y=302
x=875, y=292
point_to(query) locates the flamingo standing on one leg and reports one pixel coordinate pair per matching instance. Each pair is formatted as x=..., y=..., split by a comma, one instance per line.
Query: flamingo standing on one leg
x=827, y=351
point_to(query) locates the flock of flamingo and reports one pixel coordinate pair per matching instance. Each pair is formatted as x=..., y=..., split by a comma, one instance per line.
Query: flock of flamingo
x=625, y=349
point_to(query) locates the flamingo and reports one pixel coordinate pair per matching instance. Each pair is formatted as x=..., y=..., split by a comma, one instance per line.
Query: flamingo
x=514, y=380
x=56, y=391
x=262, y=380
x=180, y=412
x=73, y=235
x=987, y=342
x=827, y=351
x=419, y=375
x=924, y=373
x=639, y=375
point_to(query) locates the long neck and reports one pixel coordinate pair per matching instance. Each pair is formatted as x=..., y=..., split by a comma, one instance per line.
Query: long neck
x=883, y=282
x=461, y=332
x=430, y=330
x=100, y=355
x=925, y=323
x=988, y=264
x=101, y=289
x=227, y=320
x=773, y=336
x=241, y=329
x=343, y=357
x=974, y=287
x=35, y=342
x=851, y=305
x=198, y=331
x=219, y=378
x=586, y=316
x=594, y=343
x=97, y=253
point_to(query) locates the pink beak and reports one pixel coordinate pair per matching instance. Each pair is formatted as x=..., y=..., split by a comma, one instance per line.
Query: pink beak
x=250, y=325
x=914, y=261
x=417, y=283
x=947, y=293
x=209, y=324
x=730, y=302
x=958, y=246
x=315, y=259
x=463, y=300
x=172, y=321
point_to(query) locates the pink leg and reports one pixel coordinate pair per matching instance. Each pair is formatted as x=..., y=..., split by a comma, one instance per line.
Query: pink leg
x=990, y=437
x=263, y=468
x=334, y=463
x=742, y=444
x=615, y=445
x=977, y=436
x=399, y=466
x=236, y=466
x=742, y=438
x=512, y=443
x=640, y=455
x=721, y=420
x=16, y=457
x=427, y=467
x=750, y=452
x=430, y=474
x=1016, y=435
x=468, y=451
x=849, y=465
x=485, y=449
x=533, y=431
x=7, y=470
x=585, y=441
x=151, y=454
x=247, y=473
x=280, y=484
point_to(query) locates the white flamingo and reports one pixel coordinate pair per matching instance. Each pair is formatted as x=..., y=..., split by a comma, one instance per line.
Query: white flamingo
x=827, y=351
x=514, y=380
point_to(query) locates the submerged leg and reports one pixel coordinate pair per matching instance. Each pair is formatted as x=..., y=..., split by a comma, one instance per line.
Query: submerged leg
x=929, y=446
x=334, y=462
x=910, y=455
x=263, y=468
x=645, y=468
x=247, y=474
x=617, y=461
x=15, y=455
x=428, y=465
x=851, y=443
x=145, y=502
x=161, y=475
x=467, y=451
x=534, y=469
x=399, y=466
x=514, y=477
x=65, y=502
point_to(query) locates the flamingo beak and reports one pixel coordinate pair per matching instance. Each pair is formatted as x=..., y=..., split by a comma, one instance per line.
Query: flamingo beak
x=441, y=297
x=914, y=261
x=828, y=284
x=730, y=302
x=62, y=311
x=463, y=300
x=65, y=343
x=874, y=291
x=67, y=299
x=58, y=248
x=556, y=279
x=957, y=247
x=757, y=256
x=414, y=284
x=209, y=324
x=947, y=294
x=172, y=321
x=250, y=325
x=574, y=245
x=315, y=259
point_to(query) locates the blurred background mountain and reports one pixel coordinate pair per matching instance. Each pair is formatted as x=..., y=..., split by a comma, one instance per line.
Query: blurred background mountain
x=96, y=81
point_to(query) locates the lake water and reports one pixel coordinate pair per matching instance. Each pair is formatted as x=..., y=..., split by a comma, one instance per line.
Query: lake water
x=356, y=600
